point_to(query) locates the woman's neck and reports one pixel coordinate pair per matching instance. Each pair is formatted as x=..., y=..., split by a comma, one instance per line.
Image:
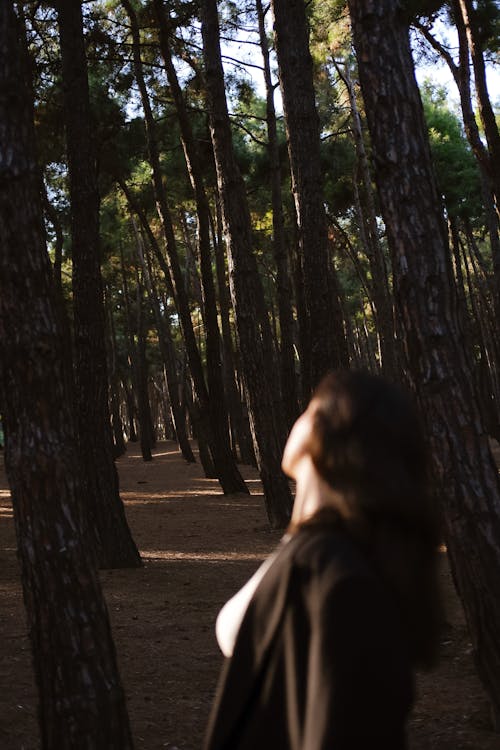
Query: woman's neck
x=312, y=493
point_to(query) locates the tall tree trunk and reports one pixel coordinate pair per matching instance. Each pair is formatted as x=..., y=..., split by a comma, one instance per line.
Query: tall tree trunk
x=488, y=119
x=114, y=389
x=462, y=76
x=141, y=367
x=81, y=700
x=237, y=411
x=131, y=411
x=220, y=445
x=113, y=541
x=252, y=323
x=368, y=219
x=283, y=280
x=325, y=343
x=438, y=366
x=227, y=471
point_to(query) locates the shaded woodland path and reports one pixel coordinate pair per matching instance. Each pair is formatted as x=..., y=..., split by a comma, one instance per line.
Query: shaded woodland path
x=198, y=547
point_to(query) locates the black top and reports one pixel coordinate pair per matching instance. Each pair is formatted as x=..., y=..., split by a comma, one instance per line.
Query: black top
x=321, y=659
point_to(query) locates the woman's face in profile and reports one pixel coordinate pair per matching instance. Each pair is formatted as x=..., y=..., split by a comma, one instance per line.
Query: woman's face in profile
x=297, y=445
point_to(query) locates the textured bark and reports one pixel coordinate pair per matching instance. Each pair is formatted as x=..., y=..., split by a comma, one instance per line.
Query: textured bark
x=220, y=445
x=438, y=366
x=81, y=701
x=283, y=277
x=252, y=323
x=302, y=125
x=113, y=541
x=210, y=421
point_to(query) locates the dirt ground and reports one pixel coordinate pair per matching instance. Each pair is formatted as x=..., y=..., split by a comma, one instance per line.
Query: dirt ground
x=198, y=548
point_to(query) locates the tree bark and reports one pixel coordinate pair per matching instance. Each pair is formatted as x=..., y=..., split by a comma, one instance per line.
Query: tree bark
x=252, y=323
x=437, y=363
x=325, y=348
x=283, y=279
x=113, y=541
x=81, y=700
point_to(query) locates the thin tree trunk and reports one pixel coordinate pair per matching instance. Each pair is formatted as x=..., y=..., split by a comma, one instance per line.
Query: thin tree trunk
x=461, y=75
x=114, y=388
x=220, y=445
x=81, y=700
x=210, y=420
x=113, y=541
x=437, y=363
x=252, y=323
x=143, y=407
x=368, y=220
x=131, y=412
x=488, y=118
x=239, y=420
x=167, y=349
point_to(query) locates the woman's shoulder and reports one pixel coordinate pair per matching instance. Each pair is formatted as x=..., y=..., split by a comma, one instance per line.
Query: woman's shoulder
x=324, y=545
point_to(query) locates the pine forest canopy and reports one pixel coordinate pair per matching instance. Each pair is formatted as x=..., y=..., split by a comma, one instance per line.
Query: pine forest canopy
x=235, y=199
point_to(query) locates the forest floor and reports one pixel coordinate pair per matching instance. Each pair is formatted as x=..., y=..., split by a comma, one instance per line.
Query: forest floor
x=198, y=548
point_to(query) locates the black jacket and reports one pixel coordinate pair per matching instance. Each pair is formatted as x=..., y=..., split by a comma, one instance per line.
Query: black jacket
x=320, y=660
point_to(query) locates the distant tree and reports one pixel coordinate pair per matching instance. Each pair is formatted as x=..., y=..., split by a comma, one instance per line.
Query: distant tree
x=81, y=700
x=438, y=365
x=212, y=411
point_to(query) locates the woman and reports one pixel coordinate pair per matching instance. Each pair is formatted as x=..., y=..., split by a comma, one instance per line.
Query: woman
x=322, y=642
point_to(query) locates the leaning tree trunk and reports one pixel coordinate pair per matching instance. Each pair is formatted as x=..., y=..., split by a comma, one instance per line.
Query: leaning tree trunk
x=488, y=118
x=326, y=344
x=113, y=541
x=438, y=366
x=227, y=472
x=81, y=700
x=220, y=444
x=252, y=323
x=462, y=74
x=382, y=297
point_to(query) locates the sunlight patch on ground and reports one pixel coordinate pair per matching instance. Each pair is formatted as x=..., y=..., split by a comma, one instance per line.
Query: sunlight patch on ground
x=211, y=557
x=6, y=512
x=4, y=493
x=155, y=455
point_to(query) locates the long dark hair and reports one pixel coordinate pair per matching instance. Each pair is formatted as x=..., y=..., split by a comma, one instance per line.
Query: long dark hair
x=368, y=444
